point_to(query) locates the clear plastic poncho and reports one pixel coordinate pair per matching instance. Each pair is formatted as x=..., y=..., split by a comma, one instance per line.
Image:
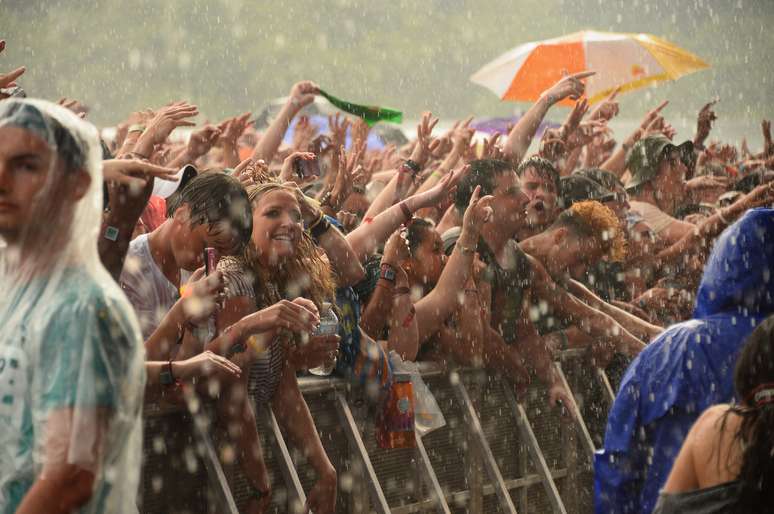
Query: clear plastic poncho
x=72, y=373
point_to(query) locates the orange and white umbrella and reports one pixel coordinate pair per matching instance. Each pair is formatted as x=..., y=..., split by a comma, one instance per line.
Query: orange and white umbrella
x=630, y=61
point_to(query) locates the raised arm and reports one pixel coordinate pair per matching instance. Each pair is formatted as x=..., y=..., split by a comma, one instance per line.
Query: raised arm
x=301, y=95
x=367, y=237
x=442, y=301
x=342, y=257
x=522, y=133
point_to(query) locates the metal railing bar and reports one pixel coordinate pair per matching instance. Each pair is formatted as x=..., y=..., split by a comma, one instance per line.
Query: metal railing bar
x=437, y=496
x=534, y=449
x=609, y=394
x=585, y=435
x=378, y=499
x=490, y=465
x=460, y=497
x=215, y=473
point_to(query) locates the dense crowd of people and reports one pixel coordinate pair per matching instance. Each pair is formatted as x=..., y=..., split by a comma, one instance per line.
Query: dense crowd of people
x=144, y=268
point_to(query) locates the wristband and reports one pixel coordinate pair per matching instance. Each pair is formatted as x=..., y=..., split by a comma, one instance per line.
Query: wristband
x=387, y=272
x=413, y=166
x=406, y=212
x=166, y=376
x=111, y=233
x=320, y=228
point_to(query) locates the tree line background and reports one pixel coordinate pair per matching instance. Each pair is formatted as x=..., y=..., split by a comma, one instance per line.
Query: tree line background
x=229, y=56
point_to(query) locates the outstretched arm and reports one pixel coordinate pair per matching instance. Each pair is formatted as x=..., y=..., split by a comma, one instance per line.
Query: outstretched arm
x=522, y=133
x=438, y=305
x=301, y=95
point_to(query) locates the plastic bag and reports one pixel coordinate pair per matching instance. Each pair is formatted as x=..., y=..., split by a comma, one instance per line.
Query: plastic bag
x=427, y=414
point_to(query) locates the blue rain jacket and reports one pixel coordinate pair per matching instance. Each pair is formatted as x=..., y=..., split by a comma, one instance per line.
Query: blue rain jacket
x=689, y=367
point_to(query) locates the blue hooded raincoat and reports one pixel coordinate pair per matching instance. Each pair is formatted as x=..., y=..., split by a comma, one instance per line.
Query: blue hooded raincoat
x=689, y=367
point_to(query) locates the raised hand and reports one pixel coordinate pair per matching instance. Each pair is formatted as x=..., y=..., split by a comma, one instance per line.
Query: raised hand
x=425, y=145
x=303, y=134
x=607, y=108
x=349, y=170
x=569, y=86
x=232, y=129
x=396, y=249
x=338, y=126
x=164, y=121
x=288, y=173
x=202, y=140
x=704, y=123
x=360, y=131
x=348, y=220
x=585, y=133
x=652, y=115
x=9, y=79
x=444, y=189
x=74, y=105
x=303, y=93
x=134, y=172
x=478, y=212
x=491, y=149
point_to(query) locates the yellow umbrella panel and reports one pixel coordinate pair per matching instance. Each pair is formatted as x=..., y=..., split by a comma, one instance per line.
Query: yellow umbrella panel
x=627, y=60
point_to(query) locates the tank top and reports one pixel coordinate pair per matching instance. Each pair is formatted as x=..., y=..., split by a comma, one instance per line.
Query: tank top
x=508, y=287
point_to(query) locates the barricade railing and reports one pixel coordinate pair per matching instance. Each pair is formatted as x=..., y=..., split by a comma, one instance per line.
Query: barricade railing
x=496, y=453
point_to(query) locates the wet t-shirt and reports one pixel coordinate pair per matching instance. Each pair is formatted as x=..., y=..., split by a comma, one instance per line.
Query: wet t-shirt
x=152, y=295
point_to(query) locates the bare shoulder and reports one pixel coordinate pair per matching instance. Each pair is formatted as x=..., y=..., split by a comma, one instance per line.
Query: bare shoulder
x=713, y=438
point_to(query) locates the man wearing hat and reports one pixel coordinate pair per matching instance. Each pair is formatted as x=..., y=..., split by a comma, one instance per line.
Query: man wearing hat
x=657, y=185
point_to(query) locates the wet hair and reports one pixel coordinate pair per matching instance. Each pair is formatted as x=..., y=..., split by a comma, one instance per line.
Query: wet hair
x=215, y=197
x=416, y=233
x=594, y=220
x=754, y=368
x=305, y=268
x=484, y=173
x=543, y=167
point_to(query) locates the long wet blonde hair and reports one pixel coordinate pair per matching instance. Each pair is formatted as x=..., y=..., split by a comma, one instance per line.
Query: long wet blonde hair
x=306, y=273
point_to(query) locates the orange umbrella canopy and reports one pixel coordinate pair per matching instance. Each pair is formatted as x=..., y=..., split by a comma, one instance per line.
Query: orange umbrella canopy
x=630, y=61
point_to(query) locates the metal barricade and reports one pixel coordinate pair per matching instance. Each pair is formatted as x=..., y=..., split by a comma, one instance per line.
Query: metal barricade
x=497, y=452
